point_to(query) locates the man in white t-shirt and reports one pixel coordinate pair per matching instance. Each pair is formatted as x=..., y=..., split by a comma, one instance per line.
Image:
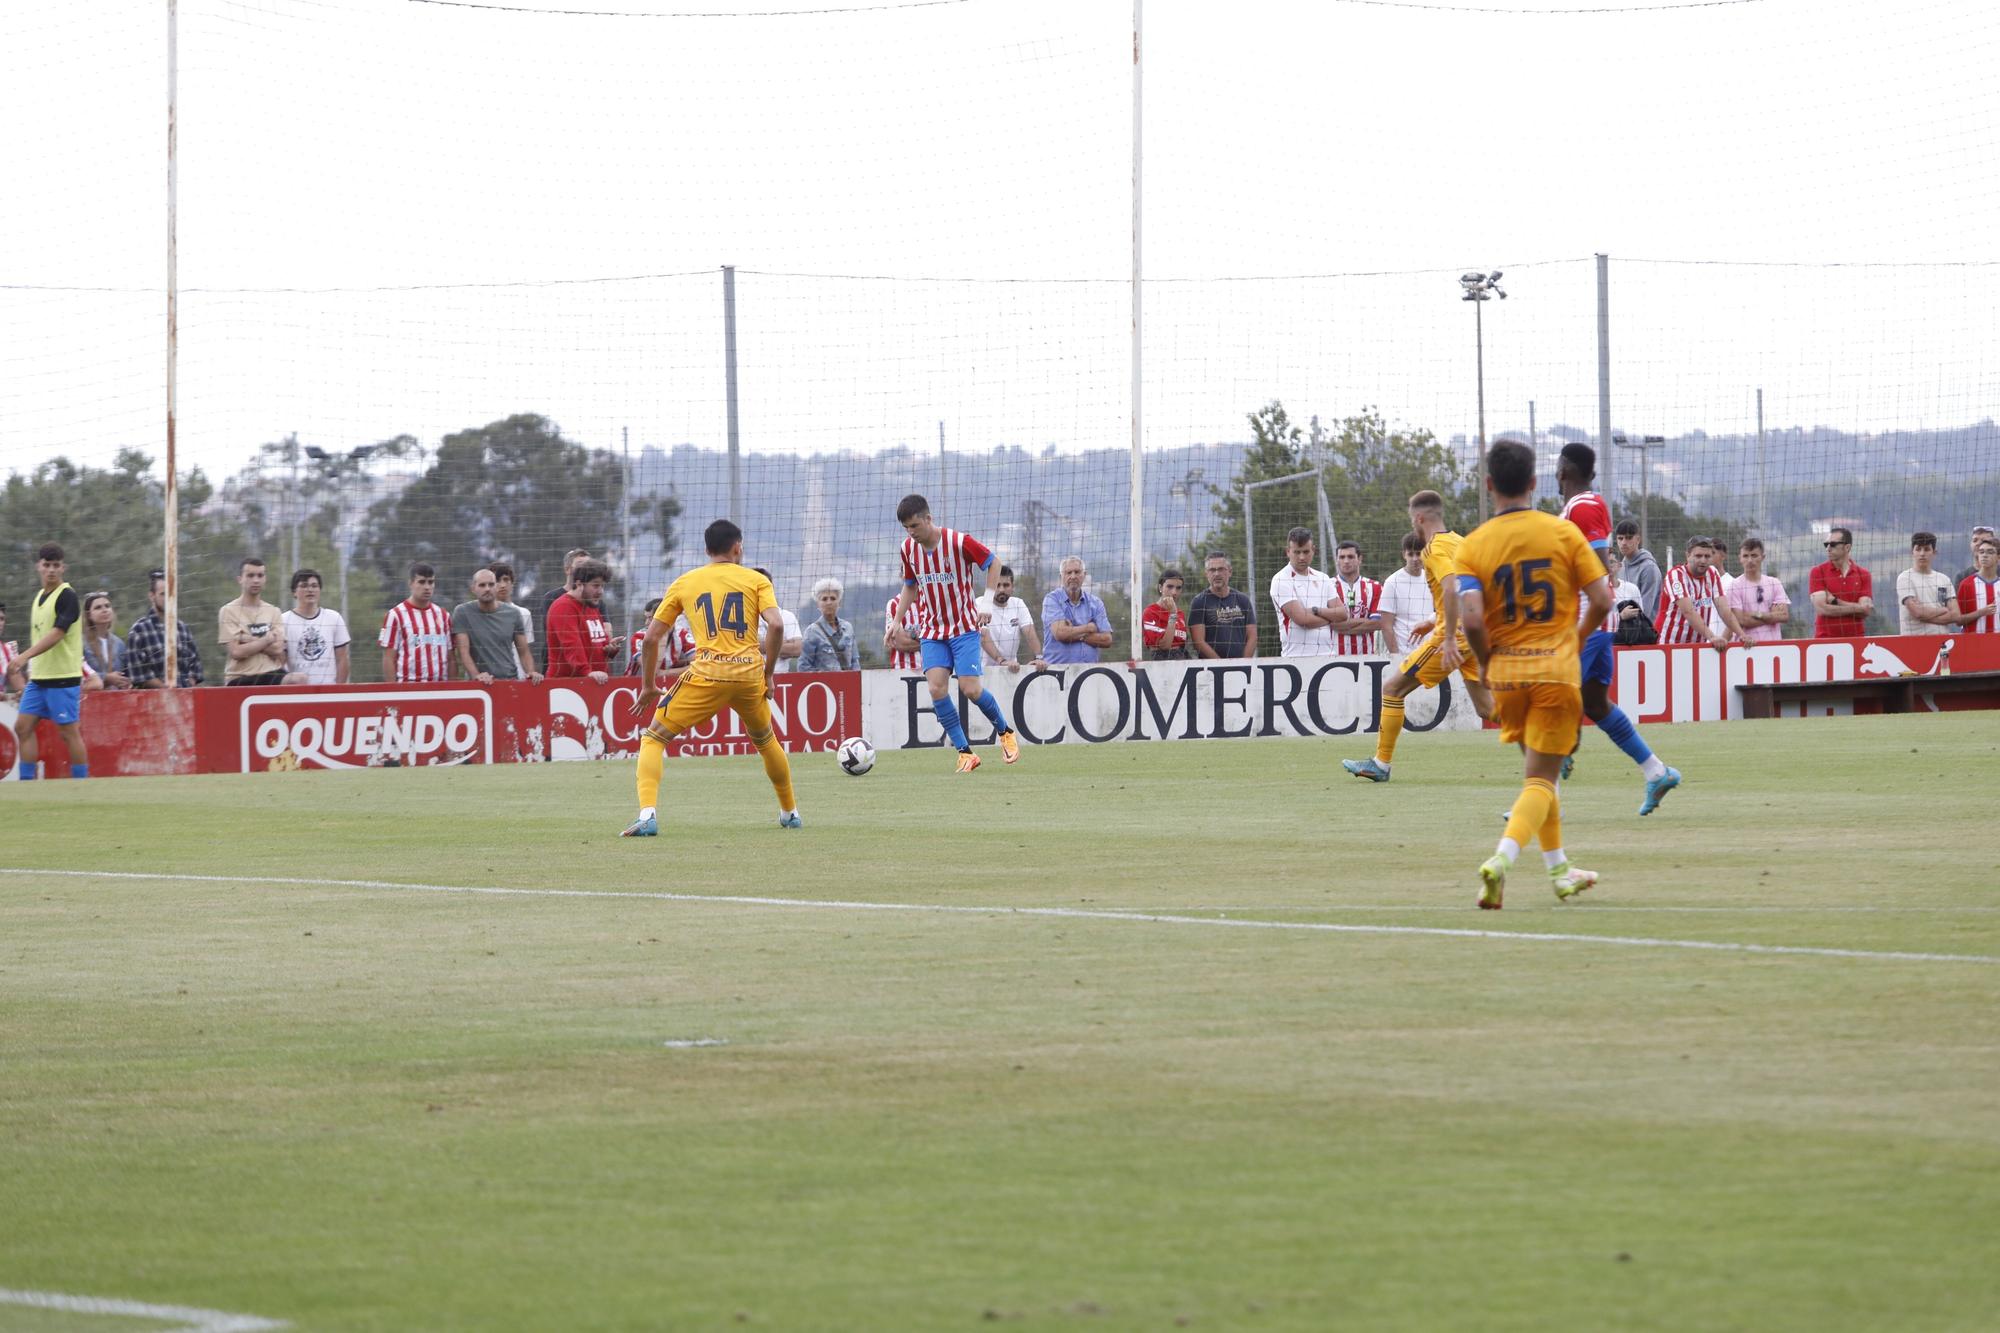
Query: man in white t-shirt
x=1406, y=594
x=316, y=638
x=1309, y=605
x=1925, y=596
x=1007, y=623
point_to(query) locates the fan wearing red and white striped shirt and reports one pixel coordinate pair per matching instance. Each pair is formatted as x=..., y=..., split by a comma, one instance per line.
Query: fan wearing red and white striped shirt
x=418, y=633
x=1979, y=591
x=1691, y=594
x=1362, y=596
x=937, y=580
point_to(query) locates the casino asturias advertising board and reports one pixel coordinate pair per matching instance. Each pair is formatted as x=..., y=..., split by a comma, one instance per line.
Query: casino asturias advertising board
x=372, y=726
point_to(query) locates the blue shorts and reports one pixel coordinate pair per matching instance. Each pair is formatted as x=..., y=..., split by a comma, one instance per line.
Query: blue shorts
x=1599, y=659
x=959, y=654
x=60, y=704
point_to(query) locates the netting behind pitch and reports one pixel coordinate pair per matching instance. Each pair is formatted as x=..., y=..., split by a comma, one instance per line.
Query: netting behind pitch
x=452, y=289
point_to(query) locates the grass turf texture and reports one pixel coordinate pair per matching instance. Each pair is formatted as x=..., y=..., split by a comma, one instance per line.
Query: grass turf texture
x=368, y=1108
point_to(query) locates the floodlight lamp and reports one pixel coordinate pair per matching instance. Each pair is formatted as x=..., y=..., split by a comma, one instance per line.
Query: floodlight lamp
x=1471, y=279
x=1494, y=276
x=1503, y=295
x=317, y=454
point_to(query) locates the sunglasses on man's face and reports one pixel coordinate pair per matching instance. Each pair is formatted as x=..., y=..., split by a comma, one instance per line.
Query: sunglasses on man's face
x=1831, y=545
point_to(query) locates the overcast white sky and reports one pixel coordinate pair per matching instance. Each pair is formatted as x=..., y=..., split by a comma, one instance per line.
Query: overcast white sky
x=394, y=217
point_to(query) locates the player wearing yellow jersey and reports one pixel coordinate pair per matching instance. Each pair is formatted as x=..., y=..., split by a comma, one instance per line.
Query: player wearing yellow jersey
x=1443, y=650
x=1519, y=578
x=724, y=604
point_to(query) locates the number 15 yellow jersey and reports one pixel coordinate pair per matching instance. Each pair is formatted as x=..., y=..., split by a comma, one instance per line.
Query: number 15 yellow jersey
x=1529, y=568
x=724, y=605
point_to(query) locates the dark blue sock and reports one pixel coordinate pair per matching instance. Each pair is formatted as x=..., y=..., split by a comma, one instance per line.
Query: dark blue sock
x=79, y=770
x=947, y=716
x=1624, y=735
x=27, y=771
x=991, y=707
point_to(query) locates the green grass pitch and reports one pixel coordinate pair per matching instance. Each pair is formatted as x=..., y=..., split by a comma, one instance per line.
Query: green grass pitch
x=354, y=1106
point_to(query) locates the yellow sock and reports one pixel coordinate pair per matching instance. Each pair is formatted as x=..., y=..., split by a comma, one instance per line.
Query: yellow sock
x=1551, y=836
x=1392, y=727
x=652, y=758
x=778, y=768
x=1534, y=808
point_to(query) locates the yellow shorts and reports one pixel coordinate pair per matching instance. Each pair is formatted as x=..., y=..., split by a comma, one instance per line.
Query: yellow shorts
x=1542, y=715
x=694, y=701
x=1426, y=662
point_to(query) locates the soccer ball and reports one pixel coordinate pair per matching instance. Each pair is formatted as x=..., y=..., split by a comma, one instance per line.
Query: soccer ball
x=856, y=756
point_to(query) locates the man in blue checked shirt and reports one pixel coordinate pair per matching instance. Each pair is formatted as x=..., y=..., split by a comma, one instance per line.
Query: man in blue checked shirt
x=1078, y=626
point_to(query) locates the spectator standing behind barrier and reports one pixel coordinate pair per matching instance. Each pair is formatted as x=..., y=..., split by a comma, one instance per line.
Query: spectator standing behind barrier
x=251, y=632
x=676, y=651
x=794, y=644
x=1640, y=567
x=1222, y=623
x=1007, y=624
x=1361, y=598
x=1162, y=625
x=1693, y=592
x=828, y=643
x=49, y=672
x=1406, y=596
x=899, y=641
x=503, y=589
x=579, y=636
x=146, y=644
x=1079, y=627
x=571, y=559
x=417, y=632
x=8, y=650
x=1308, y=607
x=103, y=650
x=1843, y=592
x=318, y=648
x=1758, y=599
x=1980, y=532
x=1926, y=600
x=487, y=638
x=1979, y=592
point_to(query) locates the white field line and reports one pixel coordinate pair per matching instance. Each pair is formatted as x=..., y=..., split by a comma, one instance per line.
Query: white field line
x=1055, y=913
x=190, y=1319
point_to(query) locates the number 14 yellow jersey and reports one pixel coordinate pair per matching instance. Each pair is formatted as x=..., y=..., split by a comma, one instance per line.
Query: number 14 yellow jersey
x=724, y=605
x=1529, y=568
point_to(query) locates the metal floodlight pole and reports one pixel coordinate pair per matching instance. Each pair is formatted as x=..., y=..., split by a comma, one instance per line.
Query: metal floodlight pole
x=170, y=648
x=729, y=372
x=1605, y=454
x=625, y=505
x=1646, y=443
x=1138, y=498
x=1479, y=288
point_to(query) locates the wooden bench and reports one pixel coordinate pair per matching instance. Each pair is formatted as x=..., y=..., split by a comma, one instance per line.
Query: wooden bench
x=1896, y=694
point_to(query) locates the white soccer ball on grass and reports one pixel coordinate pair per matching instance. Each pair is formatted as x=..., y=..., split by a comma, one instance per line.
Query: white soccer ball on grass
x=856, y=756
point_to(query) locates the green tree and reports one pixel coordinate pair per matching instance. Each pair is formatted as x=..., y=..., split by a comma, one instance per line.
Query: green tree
x=1369, y=472
x=513, y=490
x=111, y=524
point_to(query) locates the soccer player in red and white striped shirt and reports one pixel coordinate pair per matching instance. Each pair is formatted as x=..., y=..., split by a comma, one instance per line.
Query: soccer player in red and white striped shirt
x=418, y=633
x=1362, y=596
x=1979, y=591
x=937, y=580
x=1692, y=591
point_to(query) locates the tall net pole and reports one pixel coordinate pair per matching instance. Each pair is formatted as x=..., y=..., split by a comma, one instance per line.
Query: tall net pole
x=1138, y=455
x=170, y=649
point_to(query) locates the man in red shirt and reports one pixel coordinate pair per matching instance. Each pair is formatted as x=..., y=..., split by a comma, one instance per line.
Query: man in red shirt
x=1164, y=626
x=579, y=635
x=1842, y=591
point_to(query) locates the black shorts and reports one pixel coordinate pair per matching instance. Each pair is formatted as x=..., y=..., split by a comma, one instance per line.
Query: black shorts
x=261, y=678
